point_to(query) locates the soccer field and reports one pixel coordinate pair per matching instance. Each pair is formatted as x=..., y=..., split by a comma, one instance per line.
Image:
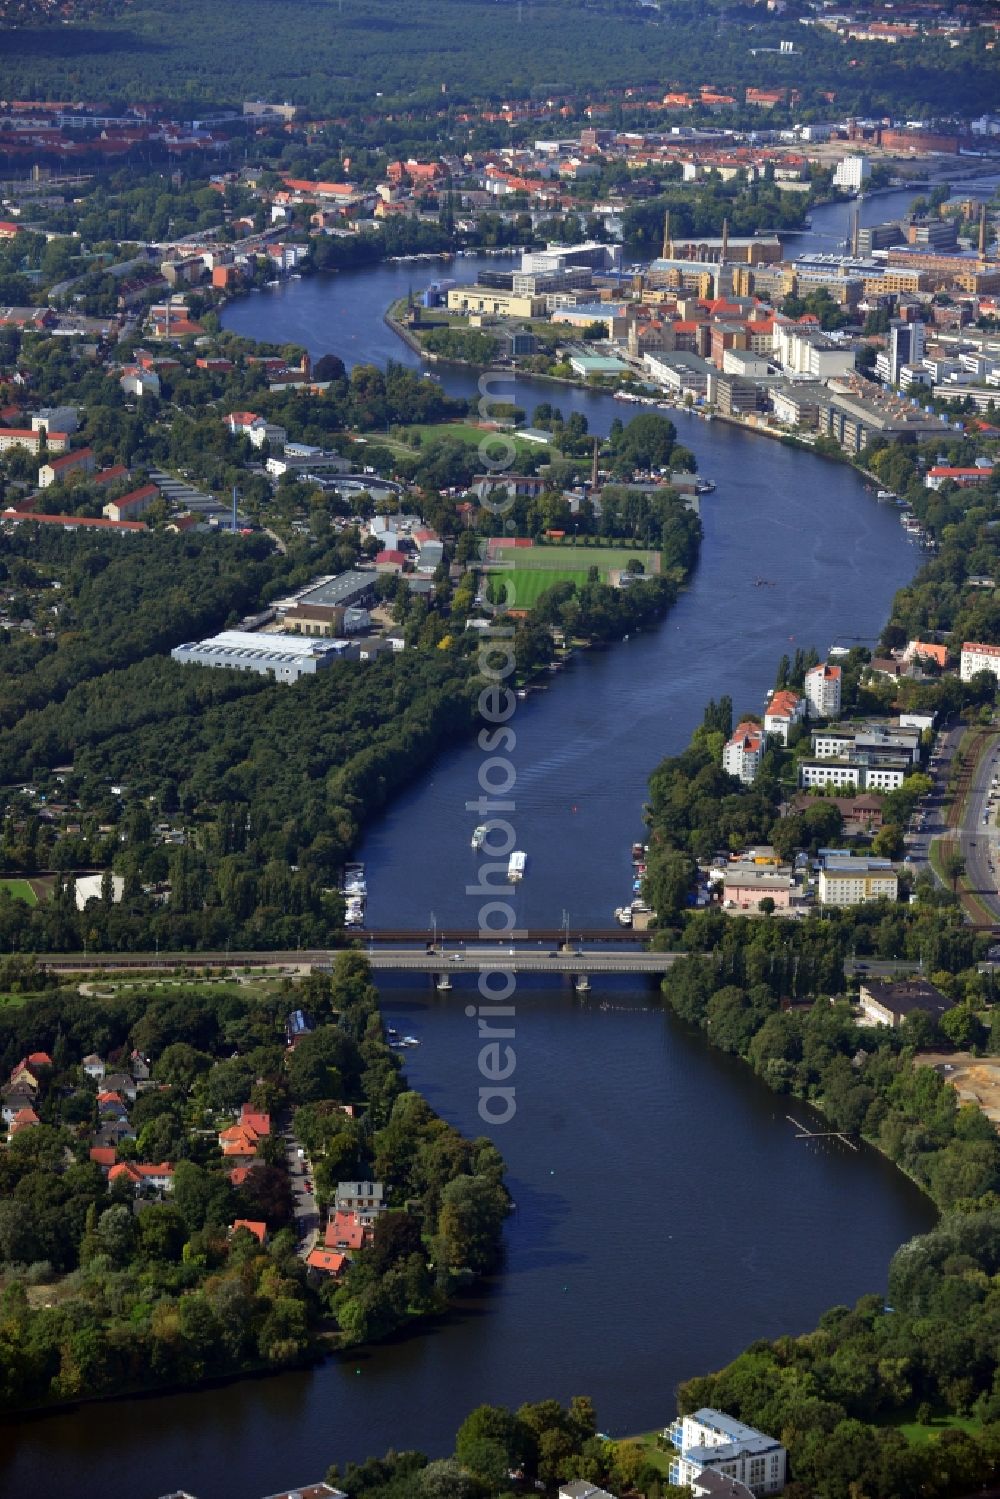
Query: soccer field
x=524, y=587
x=576, y=560
x=20, y=890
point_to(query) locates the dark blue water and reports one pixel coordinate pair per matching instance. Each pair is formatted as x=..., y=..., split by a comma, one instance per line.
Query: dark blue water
x=666, y=1215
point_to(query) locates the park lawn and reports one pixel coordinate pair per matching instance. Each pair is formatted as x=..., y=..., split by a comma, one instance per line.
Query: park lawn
x=472, y=436
x=523, y=589
x=20, y=890
x=917, y=1435
x=653, y=1454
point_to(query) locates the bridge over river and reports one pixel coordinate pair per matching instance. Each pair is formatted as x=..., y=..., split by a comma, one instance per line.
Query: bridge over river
x=536, y=952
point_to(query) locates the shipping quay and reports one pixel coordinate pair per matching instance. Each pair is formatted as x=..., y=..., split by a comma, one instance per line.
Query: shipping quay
x=522, y=952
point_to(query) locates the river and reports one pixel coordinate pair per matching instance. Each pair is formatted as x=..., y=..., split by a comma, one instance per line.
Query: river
x=666, y=1214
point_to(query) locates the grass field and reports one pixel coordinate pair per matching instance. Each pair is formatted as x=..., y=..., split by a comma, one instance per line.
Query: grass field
x=917, y=1434
x=523, y=588
x=577, y=559
x=472, y=436
x=527, y=572
x=654, y=1454
x=20, y=890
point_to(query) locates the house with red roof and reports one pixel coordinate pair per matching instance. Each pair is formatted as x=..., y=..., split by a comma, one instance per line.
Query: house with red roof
x=784, y=710
x=345, y=1232
x=24, y=1119
x=241, y=1141
x=130, y=506
x=328, y=1261
x=143, y=1177
x=742, y=754
x=252, y=1226
x=965, y=478
x=104, y=1156
x=58, y=470
x=390, y=560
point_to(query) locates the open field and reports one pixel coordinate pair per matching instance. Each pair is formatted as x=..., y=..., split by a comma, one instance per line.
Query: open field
x=472, y=436
x=975, y=1079
x=20, y=890
x=576, y=559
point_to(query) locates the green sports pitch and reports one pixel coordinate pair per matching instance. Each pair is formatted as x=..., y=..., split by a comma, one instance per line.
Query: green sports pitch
x=528, y=572
x=20, y=890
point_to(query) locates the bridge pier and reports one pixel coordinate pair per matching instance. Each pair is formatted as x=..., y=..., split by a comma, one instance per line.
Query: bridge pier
x=581, y=983
x=442, y=981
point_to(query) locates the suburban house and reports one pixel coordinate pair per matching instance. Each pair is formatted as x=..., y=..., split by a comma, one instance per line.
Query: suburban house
x=364, y=1199
x=93, y=1066
x=327, y=1260
x=143, y=1177
x=345, y=1232
x=241, y=1141
x=24, y=1119
x=741, y=756
x=252, y=1226
x=823, y=691
x=709, y=1440
x=885, y=1003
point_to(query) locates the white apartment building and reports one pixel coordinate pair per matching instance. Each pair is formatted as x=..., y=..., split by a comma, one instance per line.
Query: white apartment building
x=852, y=173
x=785, y=708
x=822, y=688
x=742, y=755
x=853, y=775
x=711, y=1440
x=852, y=882
x=979, y=658
x=804, y=351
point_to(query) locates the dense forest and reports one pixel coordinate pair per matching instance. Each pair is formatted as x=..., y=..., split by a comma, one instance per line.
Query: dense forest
x=332, y=54
x=171, y=1294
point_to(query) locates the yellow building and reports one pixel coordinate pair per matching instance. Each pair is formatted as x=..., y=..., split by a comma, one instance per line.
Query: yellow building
x=500, y=303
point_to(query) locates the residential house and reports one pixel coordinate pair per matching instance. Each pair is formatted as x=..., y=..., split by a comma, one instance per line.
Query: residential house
x=364, y=1199
x=122, y=1084
x=104, y=1156
x=711, y=1440
x=93, y=1066
x=328, y=1261
x=14, y=1100
x=923, y=650
x=241, y=1141
x=25, y=1118
x=345, y=1232
x=885, y=1003
x=143, y=1178
x=252, y=1226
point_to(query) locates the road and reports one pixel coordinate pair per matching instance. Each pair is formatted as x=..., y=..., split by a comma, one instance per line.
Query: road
x=979, y=837
x=303, y=1196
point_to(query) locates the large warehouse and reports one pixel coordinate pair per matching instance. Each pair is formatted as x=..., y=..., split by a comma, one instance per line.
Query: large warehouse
x=284, y=657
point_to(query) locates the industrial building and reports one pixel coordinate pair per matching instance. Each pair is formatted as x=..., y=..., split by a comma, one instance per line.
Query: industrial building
x=285, y=658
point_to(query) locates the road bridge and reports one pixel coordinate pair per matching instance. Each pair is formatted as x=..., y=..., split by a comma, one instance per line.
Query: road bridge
x=441, y=962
